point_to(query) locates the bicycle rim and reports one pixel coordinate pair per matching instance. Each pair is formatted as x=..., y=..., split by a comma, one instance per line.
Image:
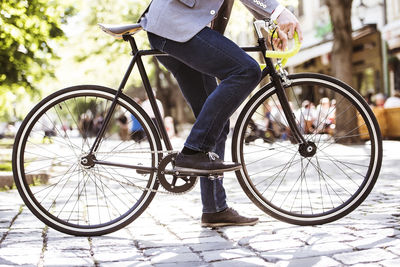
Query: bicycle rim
x=320, y=182
x=67, y=195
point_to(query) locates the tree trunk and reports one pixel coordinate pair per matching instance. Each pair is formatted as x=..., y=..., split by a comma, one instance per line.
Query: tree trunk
x=340, y=12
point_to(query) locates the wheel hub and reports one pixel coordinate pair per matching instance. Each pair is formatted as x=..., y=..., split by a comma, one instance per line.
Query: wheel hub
x=87, y=161
x=308, y=149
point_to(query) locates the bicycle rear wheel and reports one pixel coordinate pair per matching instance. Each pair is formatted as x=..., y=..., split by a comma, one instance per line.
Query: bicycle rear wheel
x=318, y=182
x=76, y=198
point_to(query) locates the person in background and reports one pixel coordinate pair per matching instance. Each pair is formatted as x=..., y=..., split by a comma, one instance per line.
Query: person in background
x=137, y=131
x=379, y=100
x=393, y=101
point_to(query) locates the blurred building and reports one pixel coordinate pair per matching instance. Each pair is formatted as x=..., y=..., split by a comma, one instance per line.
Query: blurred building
x=391, y=34
x=376, y=43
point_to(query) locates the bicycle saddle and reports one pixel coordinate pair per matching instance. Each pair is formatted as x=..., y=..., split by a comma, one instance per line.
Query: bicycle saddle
x=119, y=30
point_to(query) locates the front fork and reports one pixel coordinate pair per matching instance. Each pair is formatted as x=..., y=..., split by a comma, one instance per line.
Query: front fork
x=279, y=79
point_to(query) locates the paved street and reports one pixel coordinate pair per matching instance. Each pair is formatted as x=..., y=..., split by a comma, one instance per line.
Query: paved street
x=169, y=234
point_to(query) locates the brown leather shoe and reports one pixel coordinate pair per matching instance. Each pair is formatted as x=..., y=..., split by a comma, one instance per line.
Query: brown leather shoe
x=227, y=217
x=203, y=164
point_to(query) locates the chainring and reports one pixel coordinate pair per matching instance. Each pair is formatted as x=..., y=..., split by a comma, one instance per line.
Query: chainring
x=177, y=184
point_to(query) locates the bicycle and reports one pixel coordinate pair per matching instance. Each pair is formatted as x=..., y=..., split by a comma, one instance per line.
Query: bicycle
x=297, y=169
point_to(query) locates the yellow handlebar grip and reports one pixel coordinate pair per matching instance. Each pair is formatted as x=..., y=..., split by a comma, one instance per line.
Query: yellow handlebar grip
x=286, y=54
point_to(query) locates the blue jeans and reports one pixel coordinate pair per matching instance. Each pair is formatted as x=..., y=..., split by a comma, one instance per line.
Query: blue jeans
x=195, y=65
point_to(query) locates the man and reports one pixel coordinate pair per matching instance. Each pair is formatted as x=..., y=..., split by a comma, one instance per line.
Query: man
x=198, y=55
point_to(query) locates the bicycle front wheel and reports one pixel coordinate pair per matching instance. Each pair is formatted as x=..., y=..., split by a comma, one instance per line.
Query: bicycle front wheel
x=51, y=170
x=322, y=180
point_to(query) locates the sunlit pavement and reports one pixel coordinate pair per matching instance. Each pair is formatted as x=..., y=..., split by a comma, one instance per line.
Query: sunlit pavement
x=169, y=234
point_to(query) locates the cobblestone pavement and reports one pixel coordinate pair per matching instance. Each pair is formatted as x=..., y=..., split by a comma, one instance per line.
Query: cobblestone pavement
x=169, y=234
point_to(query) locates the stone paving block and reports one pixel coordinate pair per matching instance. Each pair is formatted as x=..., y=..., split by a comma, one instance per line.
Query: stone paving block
x=157, y=237
x=6, y=216
x=125, y=264
x=157, y=251
x=68, y=243
x=185, y=227
x=395, y=250
x=241, y=262
x=390, y=263
x=364, y=256
x=379, y=241
x=220, y=255
x=117, y=253
x=327, y=238
x=18, y=249
x=26, y=222
x=322, y=261
x=271, y=237
x=76, y=253
x=67, y=261
x=181, y=264
x=173, y=257
x=338, y=227
x=23, y=236
x=210, y=246
x=276, y=244
x=326, y=249
x=105, y=241
x=147, y=244
x=367, y=265
x=244, y=236
x=279, y=255
x=14, y=255
x=199, y=240
x=390, y=232
x=52, y=233
x=196, y=234
x=156, y=233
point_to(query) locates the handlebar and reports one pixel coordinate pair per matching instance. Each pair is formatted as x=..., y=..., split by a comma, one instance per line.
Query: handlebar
x=288, y=53
x=270, y=26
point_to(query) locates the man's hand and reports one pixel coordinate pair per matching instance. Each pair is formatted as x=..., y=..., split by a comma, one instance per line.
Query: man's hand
x=288, y=24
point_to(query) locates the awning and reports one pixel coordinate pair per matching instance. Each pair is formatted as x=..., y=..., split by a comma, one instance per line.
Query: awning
x=306, y=54
x=391, y=34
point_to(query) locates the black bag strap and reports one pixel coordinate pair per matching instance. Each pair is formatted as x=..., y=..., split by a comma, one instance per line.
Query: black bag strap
x=144, y=13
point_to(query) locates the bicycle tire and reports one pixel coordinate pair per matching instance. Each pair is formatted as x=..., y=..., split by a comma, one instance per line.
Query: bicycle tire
x=57, y=188
x=291, y=185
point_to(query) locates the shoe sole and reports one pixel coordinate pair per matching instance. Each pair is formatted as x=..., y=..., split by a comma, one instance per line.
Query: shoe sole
x=191, y=171
x=228, y=224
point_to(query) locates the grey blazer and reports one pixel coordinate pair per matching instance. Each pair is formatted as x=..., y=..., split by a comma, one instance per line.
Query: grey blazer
x=180, y=20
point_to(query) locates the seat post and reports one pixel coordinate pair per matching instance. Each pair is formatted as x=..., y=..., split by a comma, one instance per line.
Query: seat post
x=132, y=42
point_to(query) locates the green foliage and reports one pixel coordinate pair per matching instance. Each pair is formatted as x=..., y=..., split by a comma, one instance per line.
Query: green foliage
x=323, y=30
x=5, y=166
x=28, y=31
x=108, y=12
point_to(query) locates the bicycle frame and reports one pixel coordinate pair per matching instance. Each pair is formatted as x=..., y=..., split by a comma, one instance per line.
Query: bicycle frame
x=137, y=59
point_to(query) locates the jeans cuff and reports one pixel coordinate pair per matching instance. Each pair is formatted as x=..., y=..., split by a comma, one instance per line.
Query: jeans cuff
x=215, y=209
